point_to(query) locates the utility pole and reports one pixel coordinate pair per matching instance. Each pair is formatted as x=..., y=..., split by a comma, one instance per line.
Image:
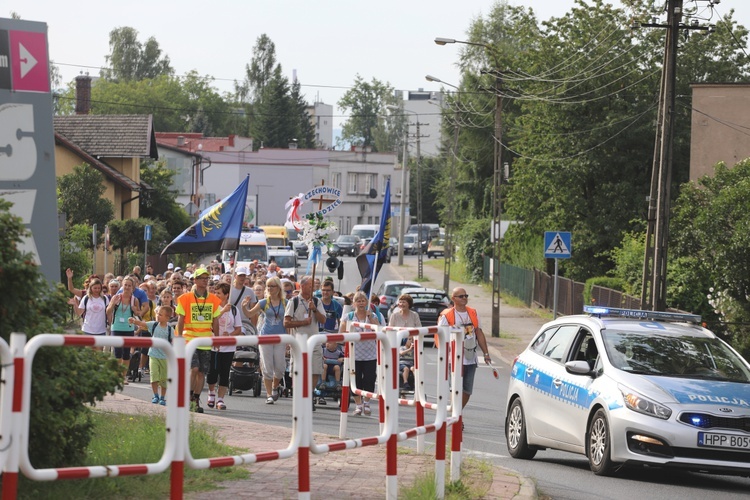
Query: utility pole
x=496, y=202
x=402, y=202
x=448, y=243
x=654, y=291
x=420, y=254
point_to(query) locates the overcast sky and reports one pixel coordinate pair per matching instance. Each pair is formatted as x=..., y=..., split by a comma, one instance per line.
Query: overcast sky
x=327, y=42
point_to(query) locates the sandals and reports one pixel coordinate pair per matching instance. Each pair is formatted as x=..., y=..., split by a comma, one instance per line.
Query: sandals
x=367, y=410
x=220, y=405
x=211, y=400
x=275, y=394
x=358, y=410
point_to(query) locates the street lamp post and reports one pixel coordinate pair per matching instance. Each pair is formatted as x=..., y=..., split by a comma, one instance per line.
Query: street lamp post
x=497, y=178
x=448, y=243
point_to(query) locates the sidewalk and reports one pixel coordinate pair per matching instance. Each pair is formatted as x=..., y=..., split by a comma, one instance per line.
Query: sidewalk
x=357, y=473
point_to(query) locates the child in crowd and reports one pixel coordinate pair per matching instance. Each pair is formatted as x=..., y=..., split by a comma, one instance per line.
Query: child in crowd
x=333, y=360
x=160, y=329
x=406, y=364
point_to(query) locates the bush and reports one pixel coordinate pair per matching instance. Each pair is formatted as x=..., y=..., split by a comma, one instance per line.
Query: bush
x=602, y=281
x=63, y=379
x=474, y=244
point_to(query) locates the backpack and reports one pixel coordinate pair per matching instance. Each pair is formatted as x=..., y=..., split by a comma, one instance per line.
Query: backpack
x=296, y=302
x=85, y=301
x=169, y=331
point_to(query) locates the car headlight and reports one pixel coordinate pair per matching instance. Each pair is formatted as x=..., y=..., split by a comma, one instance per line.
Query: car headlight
x=642, y=404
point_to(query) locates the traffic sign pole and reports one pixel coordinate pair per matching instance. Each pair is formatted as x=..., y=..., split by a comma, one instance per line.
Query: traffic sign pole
x=557, y=245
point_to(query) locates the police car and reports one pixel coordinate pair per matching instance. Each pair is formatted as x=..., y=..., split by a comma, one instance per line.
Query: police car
x=628, y=387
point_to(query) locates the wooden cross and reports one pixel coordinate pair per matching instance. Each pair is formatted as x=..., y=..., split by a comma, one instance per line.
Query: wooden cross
x=320, y=201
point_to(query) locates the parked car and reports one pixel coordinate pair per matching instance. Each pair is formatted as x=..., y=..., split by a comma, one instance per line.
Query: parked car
x=347, y=244
x=436, y=248
x=389, y=292
x=627, y=387
x=428, y=303
x=411, y=244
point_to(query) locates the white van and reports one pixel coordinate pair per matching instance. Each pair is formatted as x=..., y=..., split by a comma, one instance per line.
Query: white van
x=365, y=230
x=253, y=246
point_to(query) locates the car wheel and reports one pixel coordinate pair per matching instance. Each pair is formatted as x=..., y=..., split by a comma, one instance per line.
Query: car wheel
x=515, y=433
x=599, y=442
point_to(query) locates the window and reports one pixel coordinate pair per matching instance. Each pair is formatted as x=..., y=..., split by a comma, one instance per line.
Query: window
x=371, y=182
x=353, y=183
x=336, y=180
x=559, y=342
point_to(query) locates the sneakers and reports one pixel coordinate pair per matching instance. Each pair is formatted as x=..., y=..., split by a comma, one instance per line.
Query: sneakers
x=162, y=401
x=220, y=405
x=275, y=394
x=367, y=410
x=155, y=399
x=211, y=400
x=269, y=401
x=358, y=410
x=322, y=402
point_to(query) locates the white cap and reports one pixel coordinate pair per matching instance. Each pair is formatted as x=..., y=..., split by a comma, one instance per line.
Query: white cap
x=242, y=270
x=170, y=266
x=148, y=277
x=187, y=274
x=178, y=268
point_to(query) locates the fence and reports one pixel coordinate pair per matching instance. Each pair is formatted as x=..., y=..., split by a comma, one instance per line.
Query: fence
x=15, y=406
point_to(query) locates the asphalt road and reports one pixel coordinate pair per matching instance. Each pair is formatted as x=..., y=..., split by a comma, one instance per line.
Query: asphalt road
x=558, y=475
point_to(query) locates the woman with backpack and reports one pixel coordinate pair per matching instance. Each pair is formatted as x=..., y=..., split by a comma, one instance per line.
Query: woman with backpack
x=121, y=308
x=93, y=309
x=272, y=357
x=230, y=324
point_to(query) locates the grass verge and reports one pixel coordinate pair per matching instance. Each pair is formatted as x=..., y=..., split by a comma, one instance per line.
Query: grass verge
x=475, y=483
x=136, y=439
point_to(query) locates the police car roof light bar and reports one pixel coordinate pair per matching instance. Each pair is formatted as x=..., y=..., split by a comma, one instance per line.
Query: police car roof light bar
x=638, y=314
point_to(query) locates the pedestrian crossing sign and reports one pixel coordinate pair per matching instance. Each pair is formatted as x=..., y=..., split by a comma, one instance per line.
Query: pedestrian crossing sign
x=557, y=245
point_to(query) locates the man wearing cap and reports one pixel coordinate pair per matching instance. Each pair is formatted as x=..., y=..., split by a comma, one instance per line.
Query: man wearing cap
x=241, y=295
x=198, y=316
x=465, y=317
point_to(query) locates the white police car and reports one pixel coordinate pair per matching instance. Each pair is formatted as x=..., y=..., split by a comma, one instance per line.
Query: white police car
x=627, y=387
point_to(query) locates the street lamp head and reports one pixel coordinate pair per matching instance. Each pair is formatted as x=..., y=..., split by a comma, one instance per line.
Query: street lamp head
x=431, y=78
x=444, y=41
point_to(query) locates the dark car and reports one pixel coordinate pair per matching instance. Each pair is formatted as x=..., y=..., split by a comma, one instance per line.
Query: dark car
x=345, y=245
x=389, y=292
x=428, y=303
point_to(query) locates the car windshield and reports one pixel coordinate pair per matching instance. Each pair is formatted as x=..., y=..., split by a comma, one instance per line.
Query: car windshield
x=409, y=238
x=252, y=252
x=430, y=297
x=284, y=260
x=674, y=355
x=346, y=239
x=395, y=290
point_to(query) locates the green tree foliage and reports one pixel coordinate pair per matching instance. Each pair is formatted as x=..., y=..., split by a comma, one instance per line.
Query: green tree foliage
x=80, y=197
x=127, y=235
x=159, y=203
x=710, y=245
x=366, y=103
x=63, y=379
x=579, y=99
x=132, y=60
x=75, y=252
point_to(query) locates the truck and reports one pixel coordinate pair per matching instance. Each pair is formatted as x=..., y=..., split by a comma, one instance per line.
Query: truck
x=253, y=246
x=276, y=236
x=365, y=230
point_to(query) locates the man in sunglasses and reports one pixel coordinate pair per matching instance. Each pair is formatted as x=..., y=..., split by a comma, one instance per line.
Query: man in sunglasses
x=467, y=318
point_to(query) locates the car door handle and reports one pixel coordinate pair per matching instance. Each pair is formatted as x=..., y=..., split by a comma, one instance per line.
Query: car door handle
x=557, y=383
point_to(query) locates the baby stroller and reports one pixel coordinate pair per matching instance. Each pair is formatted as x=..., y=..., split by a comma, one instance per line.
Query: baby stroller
x=329, y=388
x=244, y=373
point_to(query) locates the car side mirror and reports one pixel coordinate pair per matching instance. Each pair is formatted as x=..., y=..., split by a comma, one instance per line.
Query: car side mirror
x=579, y=368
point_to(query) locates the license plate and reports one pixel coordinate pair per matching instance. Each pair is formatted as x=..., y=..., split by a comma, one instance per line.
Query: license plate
x=731, y=441
x=428, y=310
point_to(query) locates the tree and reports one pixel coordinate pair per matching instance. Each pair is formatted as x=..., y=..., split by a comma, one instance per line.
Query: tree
x=131, y=60
x=159, y=202
x=80, y=197
x=366, y=103
x=262, y=68
x=64, y=380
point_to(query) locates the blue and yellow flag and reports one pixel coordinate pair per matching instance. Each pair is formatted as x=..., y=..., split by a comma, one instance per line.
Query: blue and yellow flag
x=372, y=257
x=217, y=228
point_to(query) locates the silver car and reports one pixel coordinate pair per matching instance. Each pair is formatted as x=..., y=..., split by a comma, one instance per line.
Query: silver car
x=627, y=387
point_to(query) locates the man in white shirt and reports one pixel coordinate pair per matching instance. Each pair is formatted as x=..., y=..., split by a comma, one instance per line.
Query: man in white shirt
x=239, y=292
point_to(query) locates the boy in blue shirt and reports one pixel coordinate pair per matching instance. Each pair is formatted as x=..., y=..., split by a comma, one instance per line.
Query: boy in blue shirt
x=160, y=329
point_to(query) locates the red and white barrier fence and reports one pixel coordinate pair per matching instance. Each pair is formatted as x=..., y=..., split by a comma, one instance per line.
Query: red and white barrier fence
x=15, y=405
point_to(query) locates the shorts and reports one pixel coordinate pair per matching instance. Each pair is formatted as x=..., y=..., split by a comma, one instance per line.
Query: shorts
x=201, y=360
x=468, y=375
x=158, y=370
x=123, y=353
